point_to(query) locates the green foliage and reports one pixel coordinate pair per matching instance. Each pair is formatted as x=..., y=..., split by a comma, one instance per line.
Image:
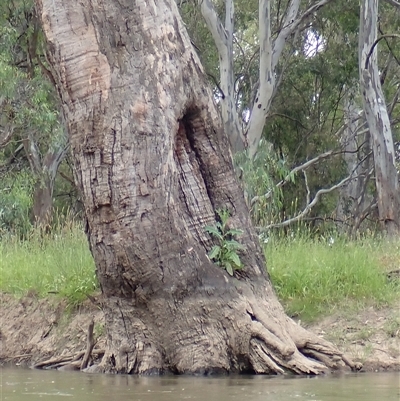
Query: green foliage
x=201, y=38
x=28, y=101
x=59, y=263
x=259, y=177
x=27, y=96
x=29, y=105
x=307, y=112
x=99, y=330
x=225, y=253
x=316, y=277
x=16, y=203
x=392, y=326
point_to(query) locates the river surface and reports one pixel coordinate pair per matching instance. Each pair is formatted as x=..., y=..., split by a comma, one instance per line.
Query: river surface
x=24, y=384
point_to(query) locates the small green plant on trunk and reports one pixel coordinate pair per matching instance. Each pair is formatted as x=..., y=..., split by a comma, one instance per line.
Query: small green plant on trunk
x=225, y=253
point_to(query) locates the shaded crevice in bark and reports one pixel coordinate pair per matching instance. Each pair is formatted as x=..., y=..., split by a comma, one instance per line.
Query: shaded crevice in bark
x=214, y=159
x=221, y=184
x=192, y=185
x=201, y=142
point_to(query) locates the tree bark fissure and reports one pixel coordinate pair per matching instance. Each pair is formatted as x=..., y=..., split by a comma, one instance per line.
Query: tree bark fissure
x=153, y=165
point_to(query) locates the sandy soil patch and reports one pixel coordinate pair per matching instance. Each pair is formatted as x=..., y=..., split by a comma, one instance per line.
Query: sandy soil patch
x=370, y=336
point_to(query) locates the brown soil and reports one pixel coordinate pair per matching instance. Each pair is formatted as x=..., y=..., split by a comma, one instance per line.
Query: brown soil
x=370, y=336
x=33, y=330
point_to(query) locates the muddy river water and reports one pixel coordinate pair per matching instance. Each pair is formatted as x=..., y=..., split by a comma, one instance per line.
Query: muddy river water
x=25, y=384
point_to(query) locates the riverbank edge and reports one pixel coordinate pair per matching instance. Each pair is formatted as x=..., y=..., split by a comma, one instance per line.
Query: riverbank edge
x=34, y=330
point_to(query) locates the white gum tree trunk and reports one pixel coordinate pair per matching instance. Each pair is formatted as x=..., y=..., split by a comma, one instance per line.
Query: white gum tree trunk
x=386, y=176
x=222, y=34
x=270, y=53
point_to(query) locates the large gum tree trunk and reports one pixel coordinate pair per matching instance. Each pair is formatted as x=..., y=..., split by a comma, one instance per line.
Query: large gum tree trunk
x=153, y=166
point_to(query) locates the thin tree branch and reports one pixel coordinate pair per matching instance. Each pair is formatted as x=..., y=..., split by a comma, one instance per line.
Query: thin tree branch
x=323, y=191
x=305, y=166
x=215, y=26
x=292, y=172
x=53, y=159
x=390, y=35
x=298, y=122
x=5, y=136
x=286, y=30
x=393, y=103
x=291, y=24
x=216, y=83
x=12, y=158
x=365, y=213
x=393, y=3
x=389, y=46
x=33, y=154
x=66, y=177
x=307, y=187
x=312, y=204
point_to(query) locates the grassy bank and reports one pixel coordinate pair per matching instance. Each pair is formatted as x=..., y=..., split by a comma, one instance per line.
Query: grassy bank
x=312, y=277
x=318, y=277
x=58, y=263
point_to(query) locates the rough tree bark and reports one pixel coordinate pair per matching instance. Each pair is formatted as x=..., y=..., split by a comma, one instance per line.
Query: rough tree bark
x=153, y=165
x=386, y=176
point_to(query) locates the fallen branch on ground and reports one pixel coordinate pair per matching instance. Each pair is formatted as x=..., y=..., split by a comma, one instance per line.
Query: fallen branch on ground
x=89, y=346
x=53, y=363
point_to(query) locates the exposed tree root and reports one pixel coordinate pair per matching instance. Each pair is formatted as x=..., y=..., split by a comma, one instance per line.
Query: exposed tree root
x=77, y=361
x=279, y=344
x=55, y=363
x=89, y=346
x=209, y=336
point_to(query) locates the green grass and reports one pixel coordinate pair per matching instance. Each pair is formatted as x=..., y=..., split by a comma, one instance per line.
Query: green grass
x=314, y=278
x=59, y=263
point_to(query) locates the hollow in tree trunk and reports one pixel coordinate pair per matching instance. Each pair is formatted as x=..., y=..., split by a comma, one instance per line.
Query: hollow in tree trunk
x=154, y=166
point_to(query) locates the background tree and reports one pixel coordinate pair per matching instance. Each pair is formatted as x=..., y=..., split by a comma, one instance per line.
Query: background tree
x=386, y=174
x=30, y=125
x=355, y=201
x=276, y=26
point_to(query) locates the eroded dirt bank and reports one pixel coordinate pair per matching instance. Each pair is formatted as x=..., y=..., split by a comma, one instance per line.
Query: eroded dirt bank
x=35, y=330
